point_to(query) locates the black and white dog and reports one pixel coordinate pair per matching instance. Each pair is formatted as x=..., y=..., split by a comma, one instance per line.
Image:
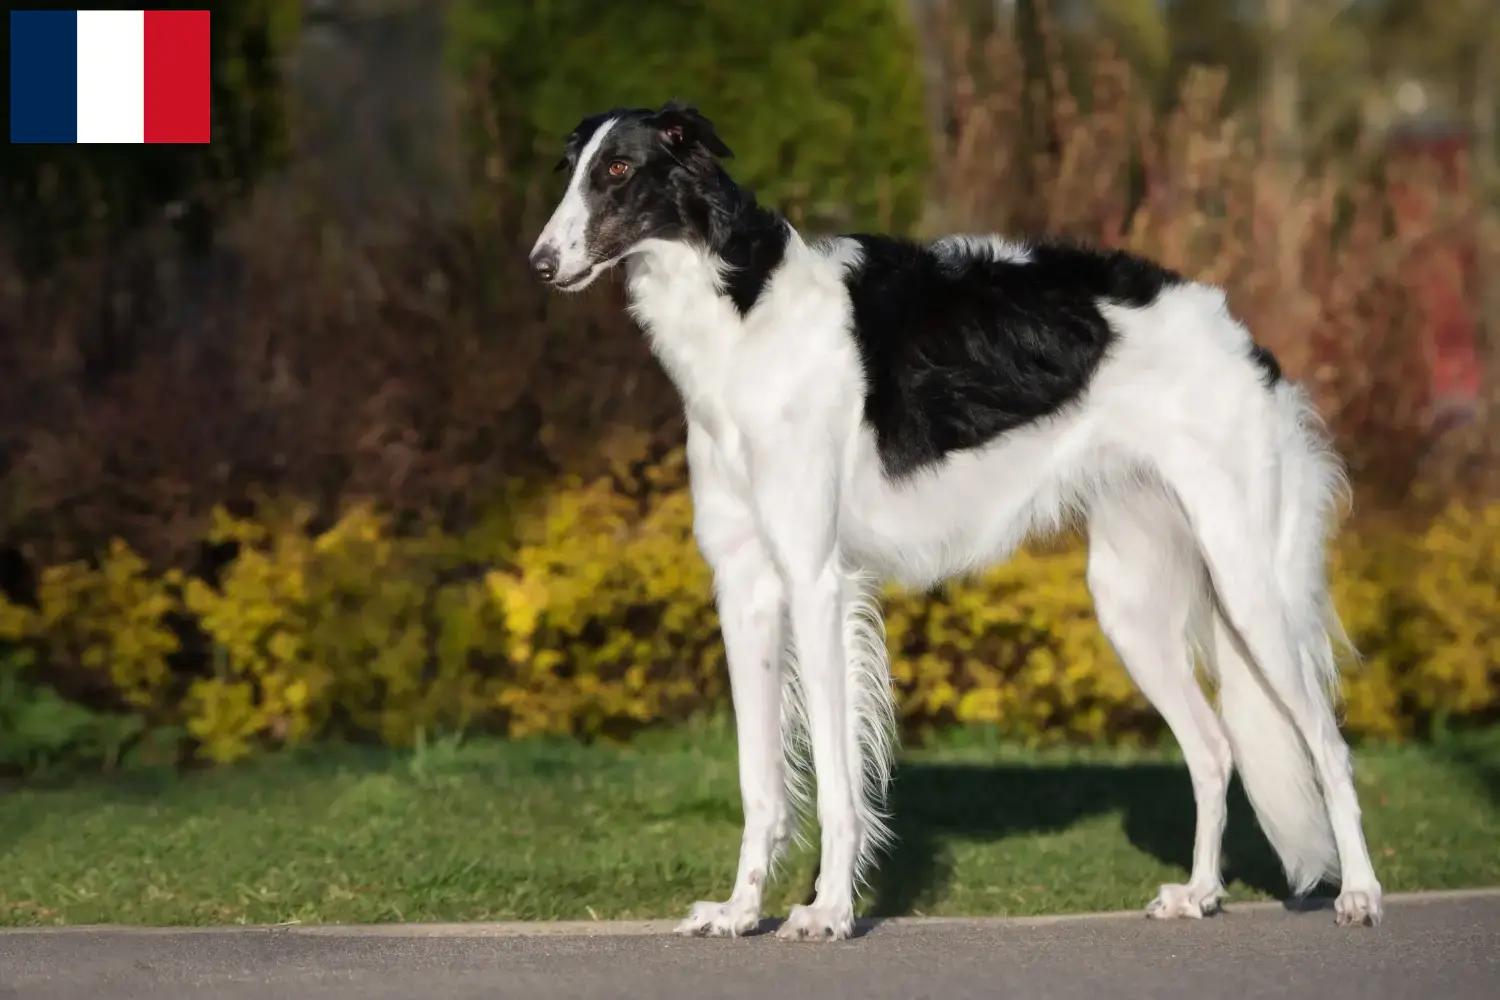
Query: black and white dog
x=863, y=407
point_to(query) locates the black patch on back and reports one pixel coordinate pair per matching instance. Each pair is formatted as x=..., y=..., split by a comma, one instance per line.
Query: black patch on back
x=1270, y=368
x=958, y=349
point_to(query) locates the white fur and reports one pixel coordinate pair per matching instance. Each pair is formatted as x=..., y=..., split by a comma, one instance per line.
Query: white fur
x=984, y=246
x=1207, y=497
x=567, y=230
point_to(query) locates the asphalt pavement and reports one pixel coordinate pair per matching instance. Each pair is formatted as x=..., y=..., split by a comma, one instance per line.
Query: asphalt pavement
x=1430, y=947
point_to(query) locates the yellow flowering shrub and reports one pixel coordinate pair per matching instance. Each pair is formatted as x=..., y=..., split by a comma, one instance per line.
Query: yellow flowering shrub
x=608, y=610
x=589, y=611
x=1016, y=647
x=1456, y=632
x=1368, y=577
x=1424, y=612
x=108, y=620
x=352, y=624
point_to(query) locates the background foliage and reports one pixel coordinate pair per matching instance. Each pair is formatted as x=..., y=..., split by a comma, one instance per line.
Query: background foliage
x=278, y=482
x=594, y=618
x=821, y=103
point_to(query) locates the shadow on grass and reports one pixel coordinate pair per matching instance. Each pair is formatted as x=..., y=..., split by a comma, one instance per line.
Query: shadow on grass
x=1476, y=749
x=936, y=802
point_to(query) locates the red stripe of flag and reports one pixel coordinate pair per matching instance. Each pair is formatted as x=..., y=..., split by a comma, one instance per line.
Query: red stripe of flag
x=177, y=76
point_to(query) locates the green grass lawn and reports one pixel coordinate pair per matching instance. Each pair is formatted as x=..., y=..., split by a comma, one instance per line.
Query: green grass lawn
x=538, y=830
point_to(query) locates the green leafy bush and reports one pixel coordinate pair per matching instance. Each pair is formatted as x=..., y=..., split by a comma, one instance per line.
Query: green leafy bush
x=821, y=102
x=40, y=729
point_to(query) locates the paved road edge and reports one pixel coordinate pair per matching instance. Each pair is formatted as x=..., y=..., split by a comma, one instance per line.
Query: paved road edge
x=629, y=928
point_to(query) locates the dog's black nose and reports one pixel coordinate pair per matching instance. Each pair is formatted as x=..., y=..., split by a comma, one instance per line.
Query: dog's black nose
x=544, y=264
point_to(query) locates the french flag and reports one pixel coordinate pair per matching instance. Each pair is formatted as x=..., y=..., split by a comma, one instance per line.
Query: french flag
x=124, y=76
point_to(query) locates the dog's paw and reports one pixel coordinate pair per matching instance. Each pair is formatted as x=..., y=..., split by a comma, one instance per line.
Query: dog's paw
x=818, y=923
x=728, y=919
x=1356, y=908
x=1183, y=901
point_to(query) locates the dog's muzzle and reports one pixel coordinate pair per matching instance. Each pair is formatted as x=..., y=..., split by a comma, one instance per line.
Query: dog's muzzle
x=544, y=264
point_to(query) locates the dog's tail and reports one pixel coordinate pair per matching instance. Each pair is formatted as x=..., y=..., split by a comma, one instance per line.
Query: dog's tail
x=1270, y=753
x=870, y=726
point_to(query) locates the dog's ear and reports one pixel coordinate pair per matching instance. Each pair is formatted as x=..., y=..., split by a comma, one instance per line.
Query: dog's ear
x=570, y=150
x=685, y=127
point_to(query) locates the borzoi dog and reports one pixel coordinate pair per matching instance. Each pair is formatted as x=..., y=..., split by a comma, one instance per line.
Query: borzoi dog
x=864, y=407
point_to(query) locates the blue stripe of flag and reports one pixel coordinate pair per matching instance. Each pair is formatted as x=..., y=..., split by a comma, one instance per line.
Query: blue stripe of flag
x=43, y=76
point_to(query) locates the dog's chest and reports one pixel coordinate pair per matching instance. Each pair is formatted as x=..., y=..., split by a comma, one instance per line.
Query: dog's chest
x=793, y=334
x=694, y=331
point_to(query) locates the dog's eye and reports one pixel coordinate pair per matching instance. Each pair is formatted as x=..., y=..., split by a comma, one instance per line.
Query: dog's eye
x=619, y=168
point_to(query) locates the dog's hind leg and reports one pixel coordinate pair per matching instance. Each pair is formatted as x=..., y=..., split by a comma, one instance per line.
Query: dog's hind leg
x=1151, y=595
x=1262, y=534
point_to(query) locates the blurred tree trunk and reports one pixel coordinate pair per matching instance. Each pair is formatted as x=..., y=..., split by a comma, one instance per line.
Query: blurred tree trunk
x=1038, y=98
x=1283, y=121
x=1484, y=167
x=929, y=28
x=377, y=132
x=1485, y=177
x=1486, y=110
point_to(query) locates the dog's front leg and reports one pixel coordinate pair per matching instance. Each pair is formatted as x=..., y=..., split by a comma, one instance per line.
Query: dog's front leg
x=796, y=499
x=751, y=608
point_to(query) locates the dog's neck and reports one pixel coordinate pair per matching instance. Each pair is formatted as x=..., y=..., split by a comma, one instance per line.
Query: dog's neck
x=737, y=227
x=738, y=241
x=693, y=295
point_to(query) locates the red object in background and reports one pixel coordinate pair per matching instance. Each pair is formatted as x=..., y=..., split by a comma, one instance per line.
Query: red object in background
x=1445, y=272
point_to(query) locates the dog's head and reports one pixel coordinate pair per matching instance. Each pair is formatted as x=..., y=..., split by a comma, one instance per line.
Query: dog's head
x=633, y=175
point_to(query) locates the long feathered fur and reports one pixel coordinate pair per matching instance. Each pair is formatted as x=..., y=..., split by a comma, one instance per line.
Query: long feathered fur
x=872, y=723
